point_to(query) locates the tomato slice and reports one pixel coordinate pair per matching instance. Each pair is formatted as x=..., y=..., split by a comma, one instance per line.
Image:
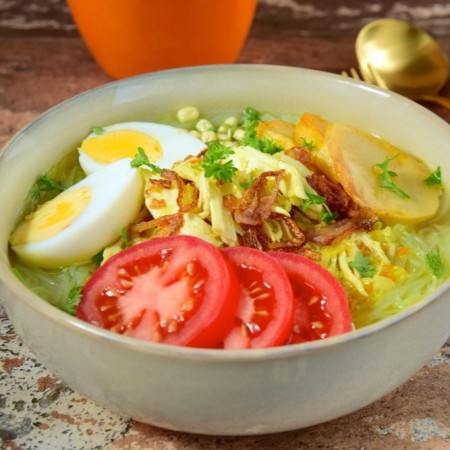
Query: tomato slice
x=177, y=290
x=321, y=304
x=266, y=307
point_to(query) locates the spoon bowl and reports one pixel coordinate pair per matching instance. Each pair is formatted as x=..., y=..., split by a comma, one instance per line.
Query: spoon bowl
x=401, y=57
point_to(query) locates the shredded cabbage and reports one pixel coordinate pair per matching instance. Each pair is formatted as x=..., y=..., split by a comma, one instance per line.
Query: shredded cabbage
x=402, y=274
x=54, y=286
x=67, y=172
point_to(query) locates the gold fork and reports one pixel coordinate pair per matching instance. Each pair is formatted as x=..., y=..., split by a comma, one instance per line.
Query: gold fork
x=357, y=74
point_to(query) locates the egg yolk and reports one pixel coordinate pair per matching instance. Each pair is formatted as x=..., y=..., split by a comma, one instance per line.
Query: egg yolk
x=113, y=145
x=52, y=217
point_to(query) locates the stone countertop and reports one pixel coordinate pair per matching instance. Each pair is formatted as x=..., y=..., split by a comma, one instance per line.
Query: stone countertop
x=43, y=62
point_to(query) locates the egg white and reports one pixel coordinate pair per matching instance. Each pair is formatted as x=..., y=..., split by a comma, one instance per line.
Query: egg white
x=174, y=144
x=114, y=199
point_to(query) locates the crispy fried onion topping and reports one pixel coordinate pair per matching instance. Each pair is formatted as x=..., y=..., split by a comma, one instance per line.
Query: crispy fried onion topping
x=163, y=226
x=327, y=233
x=170, y=224
x=352, y=217
x=188, y=194
x=339, y=201
x=256, y=204
x=303, y=155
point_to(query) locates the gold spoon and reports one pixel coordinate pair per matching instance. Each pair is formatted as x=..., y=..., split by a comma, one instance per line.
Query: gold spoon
x=398, y=56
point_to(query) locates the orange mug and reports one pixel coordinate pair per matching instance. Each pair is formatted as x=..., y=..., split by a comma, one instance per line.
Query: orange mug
x=130, y=37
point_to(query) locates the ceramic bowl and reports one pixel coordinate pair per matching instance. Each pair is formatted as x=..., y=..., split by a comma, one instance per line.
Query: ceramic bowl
x=215, y=391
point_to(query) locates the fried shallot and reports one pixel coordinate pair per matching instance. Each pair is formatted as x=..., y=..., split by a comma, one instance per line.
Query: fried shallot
x=339, y=201
x=256, y=204
x=163, y=226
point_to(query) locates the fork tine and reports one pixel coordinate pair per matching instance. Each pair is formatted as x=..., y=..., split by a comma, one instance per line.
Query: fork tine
x=354, y=73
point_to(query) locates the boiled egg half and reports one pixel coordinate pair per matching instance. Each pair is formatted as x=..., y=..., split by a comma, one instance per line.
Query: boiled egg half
x=163, y=144
x=81, y=221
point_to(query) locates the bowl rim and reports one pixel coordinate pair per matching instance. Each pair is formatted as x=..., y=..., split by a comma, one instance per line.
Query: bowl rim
x=17, y=289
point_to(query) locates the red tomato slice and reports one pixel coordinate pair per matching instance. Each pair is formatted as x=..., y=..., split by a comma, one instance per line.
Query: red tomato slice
x=321, y=308
x=266, y=309
x=178, y=290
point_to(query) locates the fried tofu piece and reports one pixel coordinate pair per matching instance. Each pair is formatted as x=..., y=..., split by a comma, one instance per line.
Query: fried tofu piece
x=350, y=156
x=279, y=131
x=310, y=130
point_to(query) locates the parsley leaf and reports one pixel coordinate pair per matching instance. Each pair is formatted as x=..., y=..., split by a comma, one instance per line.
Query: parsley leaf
x=73, y=298
x=98, y=130
x=309, y=145
x=246, y=184
x=435, y=178
x=125, y=237
x=436, y=264
x=251, y=118
x=387, y=178
x=213, y=164
x=251, y=121
x=18, y=274
x=362, y=264
x=313, y=199
x=141, y=159
x=328, y=216
x=268, y=146
x=98, y=258
x=46, y=184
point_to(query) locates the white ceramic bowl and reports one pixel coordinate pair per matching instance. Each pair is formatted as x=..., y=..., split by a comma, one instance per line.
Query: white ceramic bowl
x=215, y=391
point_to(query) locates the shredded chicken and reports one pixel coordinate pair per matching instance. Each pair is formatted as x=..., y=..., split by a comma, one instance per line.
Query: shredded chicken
x=255, y=237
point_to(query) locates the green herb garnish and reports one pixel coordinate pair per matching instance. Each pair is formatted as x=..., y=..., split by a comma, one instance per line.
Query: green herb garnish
x=309, y=145
x=141, y=159
x=18, y=274
x=328, y=216
x=387, y=178
x=313, y=199
x=248, y=183
x=251, y=121
x=362, y=264
x=268, y=146
x=214, y=165
x=97, y=259
x=47, y=184
x=251, y=118
x=436, y=264
x=73, y=298
x=125, y=236
x=435, y=178
x=98, y=130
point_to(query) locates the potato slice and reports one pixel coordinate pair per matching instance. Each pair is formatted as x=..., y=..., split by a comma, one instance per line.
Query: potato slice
x=349, y=156
x=278, y=131
x=310, y=130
